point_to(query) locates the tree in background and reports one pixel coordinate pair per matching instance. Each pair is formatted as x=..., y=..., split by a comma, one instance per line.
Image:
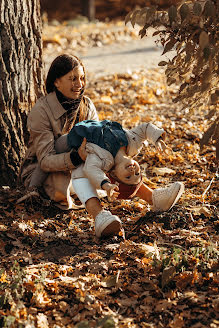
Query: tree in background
x=191, y=29
x=21, y=79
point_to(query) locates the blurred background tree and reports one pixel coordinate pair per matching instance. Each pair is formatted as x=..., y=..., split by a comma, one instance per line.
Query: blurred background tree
x=69, y=9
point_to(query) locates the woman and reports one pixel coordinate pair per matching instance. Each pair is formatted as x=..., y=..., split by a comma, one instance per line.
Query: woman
x=52, y=117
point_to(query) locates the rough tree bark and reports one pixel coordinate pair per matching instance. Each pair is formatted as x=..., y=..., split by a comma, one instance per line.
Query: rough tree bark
x=21, y=79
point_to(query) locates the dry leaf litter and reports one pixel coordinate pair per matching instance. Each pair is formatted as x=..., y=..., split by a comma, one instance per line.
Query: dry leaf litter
x=162, y=271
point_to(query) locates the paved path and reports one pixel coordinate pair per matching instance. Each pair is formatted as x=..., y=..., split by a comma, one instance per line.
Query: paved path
x=122, y=57
x=119, y=57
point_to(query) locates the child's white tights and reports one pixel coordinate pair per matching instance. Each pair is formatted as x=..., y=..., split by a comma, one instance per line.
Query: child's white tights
x=83, y=189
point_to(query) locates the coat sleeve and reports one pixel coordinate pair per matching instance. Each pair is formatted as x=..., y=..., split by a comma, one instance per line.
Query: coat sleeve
x=141, y=133
x=93, y=170
x=42, y=139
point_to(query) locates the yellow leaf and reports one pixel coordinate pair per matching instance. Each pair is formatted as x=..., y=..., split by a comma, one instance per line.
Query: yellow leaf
x=146, y=260
x=146, y=118
x=104, y=115
x=163, y=171
x=149, y=182
x=135, y=119
x=136, y=107
x=106, y=100
x=57, y=39
x=3, y=278
x=150, y=99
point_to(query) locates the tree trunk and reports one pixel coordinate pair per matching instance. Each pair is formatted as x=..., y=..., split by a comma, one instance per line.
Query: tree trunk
x=21, y=79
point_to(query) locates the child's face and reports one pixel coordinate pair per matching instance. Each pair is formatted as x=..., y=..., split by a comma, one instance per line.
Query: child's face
x=128, y=171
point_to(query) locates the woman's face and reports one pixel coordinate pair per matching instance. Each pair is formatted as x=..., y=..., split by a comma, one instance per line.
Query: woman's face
x=128, y=171
x=71, y=84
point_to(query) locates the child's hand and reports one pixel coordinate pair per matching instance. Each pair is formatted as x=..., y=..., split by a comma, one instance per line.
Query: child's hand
x=82, y=150
x=110, y=188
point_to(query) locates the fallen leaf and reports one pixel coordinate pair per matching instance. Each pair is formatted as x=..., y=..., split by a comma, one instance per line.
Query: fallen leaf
x=110, y=281
x=163, y=171
x=106, y=100
x=167, y=275
x=177, y=321
x=42, y=321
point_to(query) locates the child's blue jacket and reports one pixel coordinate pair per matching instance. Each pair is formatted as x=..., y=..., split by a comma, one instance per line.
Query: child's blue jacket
x=106, y=134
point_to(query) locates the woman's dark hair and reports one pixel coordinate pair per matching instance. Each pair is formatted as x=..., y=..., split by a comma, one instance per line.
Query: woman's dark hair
x=60, y=66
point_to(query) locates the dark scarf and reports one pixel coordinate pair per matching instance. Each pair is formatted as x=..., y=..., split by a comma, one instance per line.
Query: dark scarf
x=72, y=109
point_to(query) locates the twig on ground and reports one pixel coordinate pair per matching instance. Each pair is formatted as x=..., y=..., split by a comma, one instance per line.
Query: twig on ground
x=208, y=187
x=28, y=195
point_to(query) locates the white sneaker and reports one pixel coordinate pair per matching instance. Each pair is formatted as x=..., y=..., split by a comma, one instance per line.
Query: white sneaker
x=107, y=224
x=165, y=198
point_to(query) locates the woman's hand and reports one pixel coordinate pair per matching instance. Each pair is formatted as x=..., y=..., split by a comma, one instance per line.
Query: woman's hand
x=110, y=188
x=82, y=150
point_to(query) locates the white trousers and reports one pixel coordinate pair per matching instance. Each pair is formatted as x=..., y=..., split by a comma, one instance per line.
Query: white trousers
x=83, y=189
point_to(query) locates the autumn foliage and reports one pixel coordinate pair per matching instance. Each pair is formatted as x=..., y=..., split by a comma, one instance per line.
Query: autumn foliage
x=70, y=9
x=189, y=33
x=163, y=270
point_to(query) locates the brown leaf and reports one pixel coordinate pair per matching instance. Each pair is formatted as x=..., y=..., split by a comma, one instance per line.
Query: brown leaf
x=167, y=275
x=164, y=305
x=184, y=279
x=128, y=17
x=162, y=63
x=207, y=135
x=169, y=45
x=172, y=13
x=127, y=302
x=110, y=281
x=203, y=40
x=141, y=17
x=184, y=11
x=209, y=9
x=197, y=8
x=142, y=32
x=134, y=17
x=177, y=321
x=217, y=149
x=214, y=98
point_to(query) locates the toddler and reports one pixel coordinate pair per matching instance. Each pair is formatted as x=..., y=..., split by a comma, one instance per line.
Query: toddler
x=109, y=164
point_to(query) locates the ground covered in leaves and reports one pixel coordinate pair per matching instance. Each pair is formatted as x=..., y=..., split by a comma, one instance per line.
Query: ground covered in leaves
x=78, y=36
x=163, y=272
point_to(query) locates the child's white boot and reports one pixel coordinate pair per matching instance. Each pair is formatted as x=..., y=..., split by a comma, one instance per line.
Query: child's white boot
x=107, y=224
x=165, y=198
